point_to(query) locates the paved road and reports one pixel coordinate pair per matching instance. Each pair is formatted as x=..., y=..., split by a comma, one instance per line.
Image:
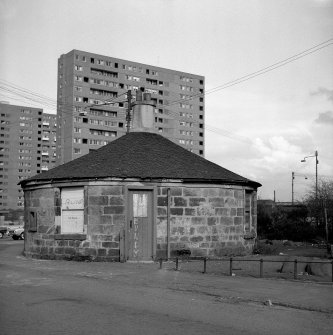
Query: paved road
x=59, y=297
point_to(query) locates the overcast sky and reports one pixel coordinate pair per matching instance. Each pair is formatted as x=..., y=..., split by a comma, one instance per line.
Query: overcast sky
x=260, y=128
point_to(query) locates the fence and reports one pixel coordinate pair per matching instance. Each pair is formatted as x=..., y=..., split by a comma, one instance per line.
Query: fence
x=228, y=266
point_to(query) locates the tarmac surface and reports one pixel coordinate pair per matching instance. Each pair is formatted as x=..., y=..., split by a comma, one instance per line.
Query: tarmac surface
x=145, y=299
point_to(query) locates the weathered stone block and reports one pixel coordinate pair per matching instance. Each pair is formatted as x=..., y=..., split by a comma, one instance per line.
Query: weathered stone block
x=229, y=193
x=212, y=221
x=94, y=219
x=39, y=242
x=202, y=230
x=62, y=243
x=205, y=210
x=161, y=211
x=91, y=251
x=238, y=220
x=119, y=220
x=113, y=252
x=226, y=221
x=210, y=192
x=198, y=220
x=233, y=212
x=190, y=211
x=105, y=219
x=114, y=201
x=162, y=201
x=44, y=250
x=192, y=191
x=35, y=202
x=176, y=191
x=95, y=229
x=101, y=252
x=95, y=210
x=115, y=190
x=222, y=211
x=230, y=202
x=174, y=238
x=179, y=202
x=110, y=244
x=176, y=211
x=240, y=211
x=196, y=239
x=114, y=210
x=98, y=200
x=216, y=202
x=197, y=202
x=69, y=251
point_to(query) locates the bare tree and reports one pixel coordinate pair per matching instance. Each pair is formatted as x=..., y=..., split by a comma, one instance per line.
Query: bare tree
x=320, y=207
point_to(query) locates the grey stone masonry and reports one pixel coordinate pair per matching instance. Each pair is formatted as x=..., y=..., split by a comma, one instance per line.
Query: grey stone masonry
x=105, y=218
x=205, y=220
x=208, y=221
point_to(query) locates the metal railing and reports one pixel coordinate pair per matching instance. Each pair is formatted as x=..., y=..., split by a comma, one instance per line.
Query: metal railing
x=232, y=260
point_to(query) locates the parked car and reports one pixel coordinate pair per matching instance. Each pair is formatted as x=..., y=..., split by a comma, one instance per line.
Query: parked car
x=18, y=234
x=3, y=231
x=12, y=228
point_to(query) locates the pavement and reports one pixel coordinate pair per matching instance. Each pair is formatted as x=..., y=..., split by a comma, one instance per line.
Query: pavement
x=299, y=295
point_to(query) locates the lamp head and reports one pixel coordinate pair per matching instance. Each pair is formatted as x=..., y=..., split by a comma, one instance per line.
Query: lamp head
x=303, y=160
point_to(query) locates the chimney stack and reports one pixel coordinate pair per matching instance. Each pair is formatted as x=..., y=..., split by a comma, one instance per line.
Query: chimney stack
x=143, y=112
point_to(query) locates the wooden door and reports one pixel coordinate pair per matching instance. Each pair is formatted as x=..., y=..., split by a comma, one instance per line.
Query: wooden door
x=140, y=225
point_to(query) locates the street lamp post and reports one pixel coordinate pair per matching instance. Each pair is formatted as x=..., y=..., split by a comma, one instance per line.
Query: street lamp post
x=317, y=162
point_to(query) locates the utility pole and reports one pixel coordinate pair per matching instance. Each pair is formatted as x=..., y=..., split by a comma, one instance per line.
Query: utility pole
x=128, y=113
x=316, y=155
x=292, y=187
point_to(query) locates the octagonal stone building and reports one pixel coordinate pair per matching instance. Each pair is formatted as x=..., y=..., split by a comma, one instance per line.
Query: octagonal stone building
x=139, y=198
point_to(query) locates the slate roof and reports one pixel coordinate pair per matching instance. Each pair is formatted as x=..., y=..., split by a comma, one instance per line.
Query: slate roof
x=142, y=155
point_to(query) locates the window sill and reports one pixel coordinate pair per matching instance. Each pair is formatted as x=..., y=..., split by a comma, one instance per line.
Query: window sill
x=79, y=237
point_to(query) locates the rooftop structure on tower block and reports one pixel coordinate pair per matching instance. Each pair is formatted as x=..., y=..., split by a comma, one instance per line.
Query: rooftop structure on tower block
x=27, y=147
x=87, y=82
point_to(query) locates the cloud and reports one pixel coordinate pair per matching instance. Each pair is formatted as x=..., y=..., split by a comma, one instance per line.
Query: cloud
x=276, y=154
x=325, y=92
x=325, y=118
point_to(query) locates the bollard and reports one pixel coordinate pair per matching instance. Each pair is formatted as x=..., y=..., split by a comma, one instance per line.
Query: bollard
x=261, y=267
x=205, y=264
x=295, y=269
x=161, y=263
x=230, y=267
x=177, y=264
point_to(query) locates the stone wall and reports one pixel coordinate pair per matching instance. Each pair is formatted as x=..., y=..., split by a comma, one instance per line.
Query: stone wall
x=208, y=221
x=105, y=219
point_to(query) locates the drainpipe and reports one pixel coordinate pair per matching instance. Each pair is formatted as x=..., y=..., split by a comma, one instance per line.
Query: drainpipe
x=168, y=222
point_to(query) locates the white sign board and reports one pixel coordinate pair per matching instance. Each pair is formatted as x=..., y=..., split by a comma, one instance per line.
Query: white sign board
x=72, y=198
x=72, y=214
x=72, y=222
